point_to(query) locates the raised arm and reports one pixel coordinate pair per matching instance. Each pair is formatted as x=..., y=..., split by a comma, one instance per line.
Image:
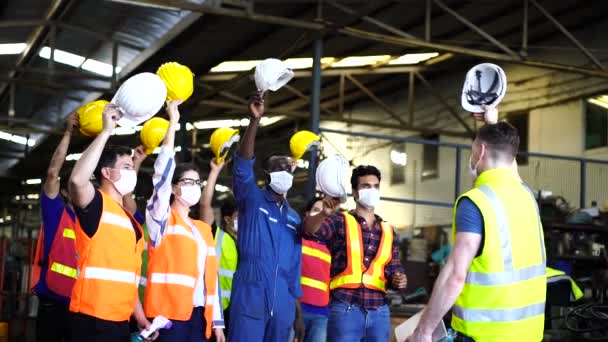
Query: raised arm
x=51, y=182
x=206, y=210
x=256, y=108
x=81, y=188
x=157, y=209
x=139, y=155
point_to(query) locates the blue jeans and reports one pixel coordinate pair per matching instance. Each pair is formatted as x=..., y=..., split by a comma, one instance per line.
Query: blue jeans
x=315, y=327
x=350, y=323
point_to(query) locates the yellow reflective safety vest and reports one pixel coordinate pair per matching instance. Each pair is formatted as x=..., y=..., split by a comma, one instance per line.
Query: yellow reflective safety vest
x=554, y=275
x=503, y=298
x=227, y=254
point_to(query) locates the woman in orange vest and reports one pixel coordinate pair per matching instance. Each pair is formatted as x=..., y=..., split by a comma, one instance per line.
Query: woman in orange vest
x=182, y=280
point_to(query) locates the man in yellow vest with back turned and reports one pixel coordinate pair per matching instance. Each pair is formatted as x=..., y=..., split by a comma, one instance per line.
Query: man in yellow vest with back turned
x=495, y=277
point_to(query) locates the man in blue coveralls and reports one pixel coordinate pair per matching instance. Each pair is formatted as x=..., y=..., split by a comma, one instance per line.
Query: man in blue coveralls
x=266, y=285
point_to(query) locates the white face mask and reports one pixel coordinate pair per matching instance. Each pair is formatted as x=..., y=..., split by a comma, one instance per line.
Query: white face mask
x=191, y=194
x=235, y=225
x=281, y=182
x=126, y=183
x=369, y=198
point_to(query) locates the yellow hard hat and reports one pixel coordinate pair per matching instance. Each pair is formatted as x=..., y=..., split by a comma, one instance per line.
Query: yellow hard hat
x=221, y=140
x=90, y=117
x=153, y=133
x=301, y=142
x=178, y=79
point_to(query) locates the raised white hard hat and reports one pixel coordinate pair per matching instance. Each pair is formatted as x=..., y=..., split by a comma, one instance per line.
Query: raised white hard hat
x=331, y=176
x=140, y=98
x=271, y=74
x=484, y=87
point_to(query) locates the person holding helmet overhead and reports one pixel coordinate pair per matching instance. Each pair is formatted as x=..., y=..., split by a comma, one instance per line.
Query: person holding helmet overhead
x=266, y=283
x=225, y=237
x=182, y=270
x=495, y=277
x=109, y=241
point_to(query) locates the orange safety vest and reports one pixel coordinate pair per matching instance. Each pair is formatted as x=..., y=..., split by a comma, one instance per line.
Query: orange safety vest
x=316, y=263
x=109, y=265
x=173, y=272
x=355, y=275
x=61, y=266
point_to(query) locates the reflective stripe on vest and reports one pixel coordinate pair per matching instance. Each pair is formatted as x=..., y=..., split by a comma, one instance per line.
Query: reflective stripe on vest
x=69, y=233
x=62, y=271
x=110, y=275
x=315, y=278
x=171, y=278
x=314, y=283
x=355, y=276
x=506, y=283
x=65, y=270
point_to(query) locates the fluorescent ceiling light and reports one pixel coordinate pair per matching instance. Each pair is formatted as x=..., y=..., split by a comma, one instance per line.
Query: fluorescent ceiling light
x=73, y=156
x=63, y=57
x=221, y=188
x=306, y=62
x=413, y=58
x=98, y=67
x=399, y=158
x=33, y=181
x=331, y=62
x=235, y=66
x=361, y=61
x=157, y=150
x=17, y=139
x=78, y=61
x=598, y=102
x=33, y=196
x=12, y=48
x=211, y=124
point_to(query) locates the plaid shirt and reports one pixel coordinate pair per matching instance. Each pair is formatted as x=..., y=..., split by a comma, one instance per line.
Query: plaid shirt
x=333, y=233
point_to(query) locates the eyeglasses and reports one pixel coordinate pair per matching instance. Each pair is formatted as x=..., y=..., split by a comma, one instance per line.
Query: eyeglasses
x=190, y=182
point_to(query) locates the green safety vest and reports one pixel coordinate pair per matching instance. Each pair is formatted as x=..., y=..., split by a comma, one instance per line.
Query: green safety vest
x=554, y=275
x=227, y=254
x=503, y=298
x=144, y=265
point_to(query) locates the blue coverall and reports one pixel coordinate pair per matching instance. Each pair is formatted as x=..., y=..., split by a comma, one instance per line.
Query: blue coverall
x=266, y=283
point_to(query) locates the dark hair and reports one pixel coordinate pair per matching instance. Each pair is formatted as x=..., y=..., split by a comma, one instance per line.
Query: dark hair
x=182, y=168
x=311, y=204
x=228, y=208
x=501, y=138
x=109, y=156
x=361, y=171
x=276, y=153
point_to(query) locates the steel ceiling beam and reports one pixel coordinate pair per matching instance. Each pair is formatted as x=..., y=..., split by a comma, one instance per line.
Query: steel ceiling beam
x=445, y=104
x=477, y=29
x=568, y=35
x=370, y=36
x=378, y=101
x=278, y=111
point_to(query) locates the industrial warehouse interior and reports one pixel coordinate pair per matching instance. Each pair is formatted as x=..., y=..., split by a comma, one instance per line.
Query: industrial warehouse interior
x=303, y=170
